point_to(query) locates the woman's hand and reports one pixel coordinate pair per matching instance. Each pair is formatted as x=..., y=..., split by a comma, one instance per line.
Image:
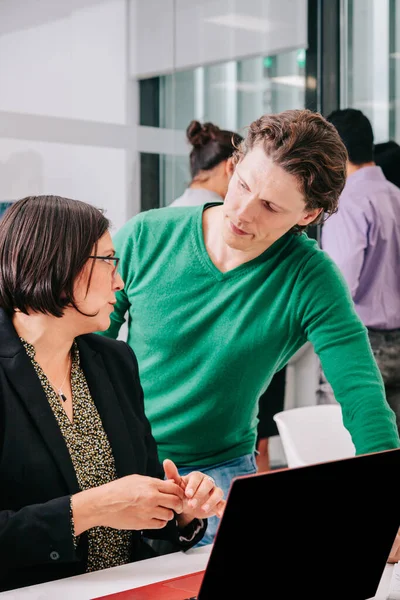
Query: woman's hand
x=131, y=502
x=394, y=555
x=202, y=498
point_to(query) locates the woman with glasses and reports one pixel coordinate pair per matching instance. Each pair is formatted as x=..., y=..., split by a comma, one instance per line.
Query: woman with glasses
x=81, y=487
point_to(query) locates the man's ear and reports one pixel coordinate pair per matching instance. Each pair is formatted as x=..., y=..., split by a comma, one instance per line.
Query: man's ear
x=310, y=216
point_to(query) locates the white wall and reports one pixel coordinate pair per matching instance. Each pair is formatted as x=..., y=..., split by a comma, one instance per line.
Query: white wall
x=71, y=67
x=64, y=103
x=95, y=175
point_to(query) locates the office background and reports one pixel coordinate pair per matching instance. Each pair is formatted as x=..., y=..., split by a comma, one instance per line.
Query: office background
x=96, y=94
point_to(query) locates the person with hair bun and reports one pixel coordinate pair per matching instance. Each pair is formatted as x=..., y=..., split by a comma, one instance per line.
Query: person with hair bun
x=221, y=296
x=210, y=163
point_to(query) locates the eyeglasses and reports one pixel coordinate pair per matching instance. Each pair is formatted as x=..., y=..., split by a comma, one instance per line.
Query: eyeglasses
x=110, y=260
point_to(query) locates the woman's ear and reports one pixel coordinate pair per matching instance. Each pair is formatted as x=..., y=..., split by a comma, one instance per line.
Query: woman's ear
x=229, y=167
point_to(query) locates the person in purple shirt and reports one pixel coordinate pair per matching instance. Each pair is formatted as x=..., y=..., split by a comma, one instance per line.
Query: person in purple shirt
x=363, y=238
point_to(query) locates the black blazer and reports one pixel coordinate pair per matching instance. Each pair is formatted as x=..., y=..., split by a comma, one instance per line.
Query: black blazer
x=36, y=473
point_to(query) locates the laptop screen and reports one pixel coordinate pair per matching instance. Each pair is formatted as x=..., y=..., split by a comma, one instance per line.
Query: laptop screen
x=321, y=531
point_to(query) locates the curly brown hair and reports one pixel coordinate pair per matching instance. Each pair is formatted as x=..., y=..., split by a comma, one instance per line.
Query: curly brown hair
x=308, y=147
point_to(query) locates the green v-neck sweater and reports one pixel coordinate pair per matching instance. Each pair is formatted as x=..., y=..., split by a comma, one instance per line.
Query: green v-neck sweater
x=208, y=343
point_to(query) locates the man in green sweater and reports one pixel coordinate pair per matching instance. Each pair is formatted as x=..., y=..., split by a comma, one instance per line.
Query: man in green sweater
x=220, y=297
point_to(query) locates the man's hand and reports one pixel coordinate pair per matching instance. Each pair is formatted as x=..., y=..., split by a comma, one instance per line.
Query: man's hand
x=394, y=555
x=203, y=498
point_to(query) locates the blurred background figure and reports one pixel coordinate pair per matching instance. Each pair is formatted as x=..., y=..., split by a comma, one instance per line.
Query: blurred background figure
x=387, y=156
x=363, y=238
x=210, y=163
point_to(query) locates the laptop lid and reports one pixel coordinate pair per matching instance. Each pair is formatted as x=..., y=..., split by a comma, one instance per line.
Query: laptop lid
x=321, y=531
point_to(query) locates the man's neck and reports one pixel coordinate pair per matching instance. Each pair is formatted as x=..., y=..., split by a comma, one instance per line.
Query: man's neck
x=352, y=168
x=223, y=256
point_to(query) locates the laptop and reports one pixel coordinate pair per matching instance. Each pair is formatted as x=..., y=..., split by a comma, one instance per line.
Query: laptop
x=321, y=531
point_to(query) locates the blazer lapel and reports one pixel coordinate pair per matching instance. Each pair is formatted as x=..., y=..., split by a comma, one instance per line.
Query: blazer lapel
x=106, y=400
x=23, y=379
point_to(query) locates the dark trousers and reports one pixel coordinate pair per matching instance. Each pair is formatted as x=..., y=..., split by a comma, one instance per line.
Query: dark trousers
x=271, y=402
x=386, y=349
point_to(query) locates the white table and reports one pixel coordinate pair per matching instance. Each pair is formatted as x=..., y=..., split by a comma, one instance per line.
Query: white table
x=118, y=579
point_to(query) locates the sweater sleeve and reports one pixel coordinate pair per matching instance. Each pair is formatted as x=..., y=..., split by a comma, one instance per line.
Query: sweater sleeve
x=340, y=339
x=124, y=242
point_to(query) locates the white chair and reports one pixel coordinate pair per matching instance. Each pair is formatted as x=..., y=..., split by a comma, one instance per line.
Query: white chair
x=313, y=434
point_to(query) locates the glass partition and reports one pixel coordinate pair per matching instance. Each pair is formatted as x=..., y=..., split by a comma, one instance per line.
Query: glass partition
x=370, y=64
x=230, y=94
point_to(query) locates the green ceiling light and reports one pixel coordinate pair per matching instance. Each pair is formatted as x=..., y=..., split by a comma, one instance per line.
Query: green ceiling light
x=301, y=58
x=268, y=61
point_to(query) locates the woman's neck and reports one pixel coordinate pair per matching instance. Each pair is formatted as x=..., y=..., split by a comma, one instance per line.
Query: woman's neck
x=49, y=335
x=205, y=185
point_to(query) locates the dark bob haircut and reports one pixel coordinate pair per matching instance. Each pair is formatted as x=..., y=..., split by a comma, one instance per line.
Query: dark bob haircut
x=45, y=242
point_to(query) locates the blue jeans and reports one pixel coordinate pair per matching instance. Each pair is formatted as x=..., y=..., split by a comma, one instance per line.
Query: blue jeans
x=222, y=473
